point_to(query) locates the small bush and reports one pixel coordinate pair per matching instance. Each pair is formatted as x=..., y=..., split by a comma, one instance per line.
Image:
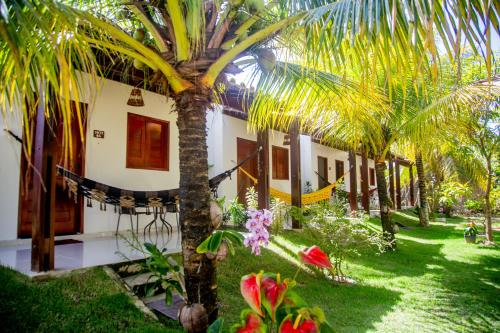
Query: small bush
x=237, y=213
x=342, y=237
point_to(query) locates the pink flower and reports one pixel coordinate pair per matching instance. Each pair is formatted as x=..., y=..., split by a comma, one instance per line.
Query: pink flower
x=257, y=224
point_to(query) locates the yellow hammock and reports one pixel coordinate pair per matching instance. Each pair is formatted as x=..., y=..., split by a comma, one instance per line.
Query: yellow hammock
x=308, y=198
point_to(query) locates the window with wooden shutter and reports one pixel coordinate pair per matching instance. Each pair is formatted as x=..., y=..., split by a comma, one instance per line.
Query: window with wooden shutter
x=280, y=163
x=372, y=176
x=147, y=143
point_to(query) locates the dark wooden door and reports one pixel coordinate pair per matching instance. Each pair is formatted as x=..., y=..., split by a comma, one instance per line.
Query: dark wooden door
x=68, y=213
x=322, y=172
x=244, y=149
x=339, y=169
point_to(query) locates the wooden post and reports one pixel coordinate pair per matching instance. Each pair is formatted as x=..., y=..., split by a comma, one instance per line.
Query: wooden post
x=295, y=179
x=353, y=184
x=391, y=182
x=398, y=185
x=412, y=186
x=365, y=182
x=263, y=169
x=42, y=233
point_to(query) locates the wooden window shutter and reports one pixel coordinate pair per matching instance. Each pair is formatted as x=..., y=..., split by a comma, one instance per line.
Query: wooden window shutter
x=147, y=143
x=136, y=141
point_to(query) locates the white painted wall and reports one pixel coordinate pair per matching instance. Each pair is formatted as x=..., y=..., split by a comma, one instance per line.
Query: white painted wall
x=106, y=158
x=223, y=132
x=306, y=162
x=10, y=152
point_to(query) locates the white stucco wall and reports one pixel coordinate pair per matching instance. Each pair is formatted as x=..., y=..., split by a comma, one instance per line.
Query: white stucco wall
x=106, y=158
x=223, y=132
x=10, y=152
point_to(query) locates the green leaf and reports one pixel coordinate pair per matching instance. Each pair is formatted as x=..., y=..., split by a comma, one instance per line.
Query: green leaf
x=215, y=242
x=203, y=247
x=168, y=297
x=216, y=326
x=176, y=284
x=234, y=236
x=326, y=328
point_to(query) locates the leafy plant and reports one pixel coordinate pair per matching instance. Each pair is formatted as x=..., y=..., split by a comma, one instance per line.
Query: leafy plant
x=213, y=243
x=279, y=210
x=473, y=205
x=251, y=198
x=226, y=216
x=165, y=273
x=273, y=304
x=452, y=192
x=342, y=237
x=237, y=213
x=470, y=230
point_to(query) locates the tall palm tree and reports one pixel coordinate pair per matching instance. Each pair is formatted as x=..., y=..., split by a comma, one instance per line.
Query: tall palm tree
x=473, y=150
x=191, y=45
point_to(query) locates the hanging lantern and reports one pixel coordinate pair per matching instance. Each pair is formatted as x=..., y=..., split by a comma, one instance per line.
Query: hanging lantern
x=135, y=98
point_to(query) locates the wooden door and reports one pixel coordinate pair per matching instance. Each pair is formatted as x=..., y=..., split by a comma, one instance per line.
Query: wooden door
x=244, y=149
x=339, y=169
x=68, y=213
x=322, y=172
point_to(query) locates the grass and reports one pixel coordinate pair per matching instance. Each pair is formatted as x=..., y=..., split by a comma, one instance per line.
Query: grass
x=434, y=282
x=86, y=301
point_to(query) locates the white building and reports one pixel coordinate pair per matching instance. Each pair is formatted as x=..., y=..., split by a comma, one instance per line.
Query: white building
x=112, y=155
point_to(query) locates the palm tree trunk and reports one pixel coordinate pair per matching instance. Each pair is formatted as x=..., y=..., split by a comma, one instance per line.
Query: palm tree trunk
x=384, y=201
x=487, y=206
x=422, y=192
x=194, y=195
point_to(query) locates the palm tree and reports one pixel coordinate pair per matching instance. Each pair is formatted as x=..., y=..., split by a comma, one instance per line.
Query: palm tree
x=191, y=45
x=423, y=212
x=472, y=150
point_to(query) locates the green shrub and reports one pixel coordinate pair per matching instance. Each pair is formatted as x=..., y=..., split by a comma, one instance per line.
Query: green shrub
x=341, y=237
x=474, y=206
x=237, y=212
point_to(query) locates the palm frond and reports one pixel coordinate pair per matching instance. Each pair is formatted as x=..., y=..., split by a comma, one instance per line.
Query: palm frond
x=318, y=100
x=449, y=108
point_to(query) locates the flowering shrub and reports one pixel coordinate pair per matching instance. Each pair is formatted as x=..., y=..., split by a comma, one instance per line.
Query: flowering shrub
x=341, y=237
x=257, y=224
x=275, y=307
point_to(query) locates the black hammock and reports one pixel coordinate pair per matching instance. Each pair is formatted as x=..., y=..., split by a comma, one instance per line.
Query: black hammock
x=121, y=198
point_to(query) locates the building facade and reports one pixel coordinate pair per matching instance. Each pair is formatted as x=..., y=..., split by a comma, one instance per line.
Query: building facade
x=136, y=148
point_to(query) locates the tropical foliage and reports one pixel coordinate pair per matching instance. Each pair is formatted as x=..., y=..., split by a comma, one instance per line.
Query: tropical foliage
x=273, y=304
x=185, y=49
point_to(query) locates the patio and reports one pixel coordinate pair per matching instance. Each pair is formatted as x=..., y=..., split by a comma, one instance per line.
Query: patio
x=85, y=250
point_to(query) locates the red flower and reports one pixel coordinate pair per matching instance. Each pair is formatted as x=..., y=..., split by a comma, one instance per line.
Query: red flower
x=306, y=326
x=250, y=289
x=252, y=323
x=274, y=292
x=314, y=256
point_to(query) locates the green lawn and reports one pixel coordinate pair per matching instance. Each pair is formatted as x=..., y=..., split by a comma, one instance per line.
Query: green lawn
x=434, y=282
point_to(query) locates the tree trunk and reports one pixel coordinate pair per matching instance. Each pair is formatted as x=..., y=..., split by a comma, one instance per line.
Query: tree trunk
x=384, y=202
x=487, y=206
x=422, y=192
x=194, y=195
